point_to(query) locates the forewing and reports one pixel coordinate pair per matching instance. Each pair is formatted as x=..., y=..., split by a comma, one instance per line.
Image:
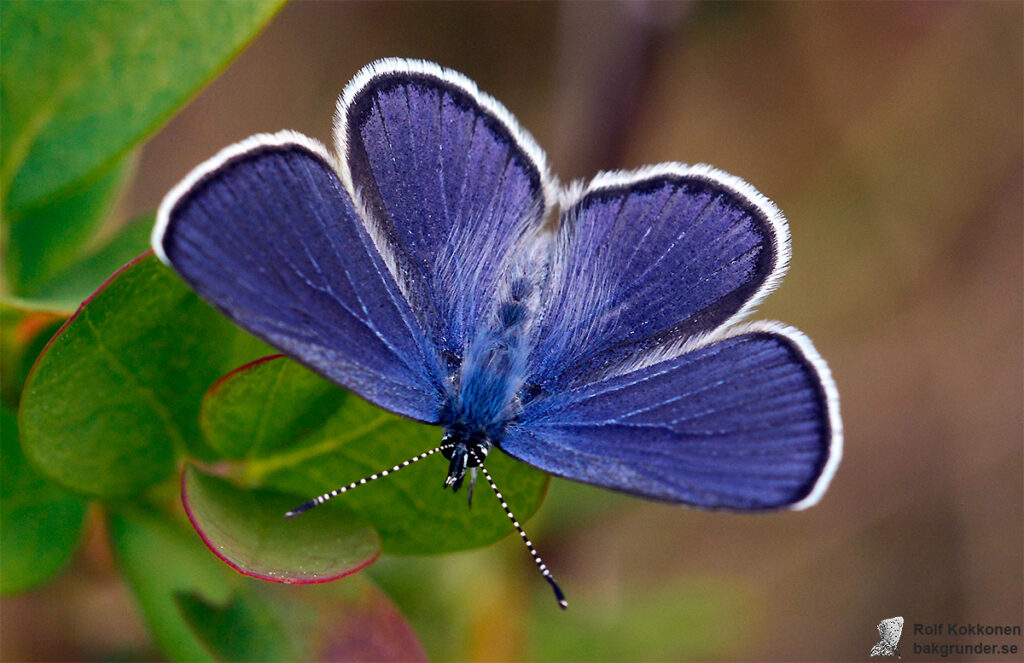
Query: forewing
x=451, y=186
x=749, y=422
x=266, y=232
x=653, y=258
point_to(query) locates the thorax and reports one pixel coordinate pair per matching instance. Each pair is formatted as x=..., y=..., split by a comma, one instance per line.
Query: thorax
x=491, y=373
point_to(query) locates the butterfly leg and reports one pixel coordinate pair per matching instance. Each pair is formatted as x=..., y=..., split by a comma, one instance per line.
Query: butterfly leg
x=472, y=484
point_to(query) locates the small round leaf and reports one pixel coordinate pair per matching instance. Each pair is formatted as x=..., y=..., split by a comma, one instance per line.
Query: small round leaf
x=247, y=529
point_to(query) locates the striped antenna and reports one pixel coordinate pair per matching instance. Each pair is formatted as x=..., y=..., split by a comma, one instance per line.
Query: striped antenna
x=316, y=501
x=559, y=596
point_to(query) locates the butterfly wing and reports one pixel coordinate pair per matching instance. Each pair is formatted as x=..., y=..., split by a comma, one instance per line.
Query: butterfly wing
x=654, y=258
x=749, y=422
x=376, y=273
x=451, y=186
x=266, y=232
x=636, y=387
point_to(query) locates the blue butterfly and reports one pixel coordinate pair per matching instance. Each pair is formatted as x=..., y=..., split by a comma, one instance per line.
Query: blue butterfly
x=419, y=270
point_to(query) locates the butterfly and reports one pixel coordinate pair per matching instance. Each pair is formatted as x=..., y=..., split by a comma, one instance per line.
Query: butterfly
x=437, y=269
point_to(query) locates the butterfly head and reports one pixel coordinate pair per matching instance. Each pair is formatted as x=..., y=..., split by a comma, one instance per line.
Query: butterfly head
x=465, y=449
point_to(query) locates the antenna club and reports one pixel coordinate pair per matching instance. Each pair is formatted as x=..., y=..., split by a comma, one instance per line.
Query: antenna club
x=300, y=509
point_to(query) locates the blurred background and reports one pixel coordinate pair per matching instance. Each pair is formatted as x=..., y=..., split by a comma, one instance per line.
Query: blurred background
x=891, y=136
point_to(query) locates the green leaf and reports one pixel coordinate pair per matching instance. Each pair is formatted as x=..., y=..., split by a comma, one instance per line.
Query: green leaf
x=161, y=558
x=227, y=414
x=85, y=81
x=41, y=524
x=243, y=629
x=45, y=240
x=247, y=529
x=114, y=397
x=303, y=435
x=66, y=291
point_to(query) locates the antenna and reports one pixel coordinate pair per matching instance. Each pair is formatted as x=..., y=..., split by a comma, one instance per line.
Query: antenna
x=316, y=501
x=559, y=596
